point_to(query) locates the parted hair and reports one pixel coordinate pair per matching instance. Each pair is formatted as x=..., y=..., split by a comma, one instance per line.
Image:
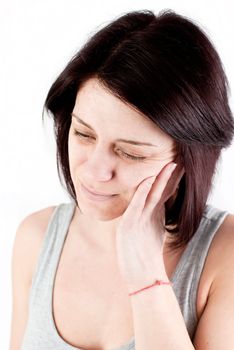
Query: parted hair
x=167, y=68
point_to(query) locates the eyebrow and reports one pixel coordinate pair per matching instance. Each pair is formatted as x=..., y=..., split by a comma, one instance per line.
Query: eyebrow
x=118, y=140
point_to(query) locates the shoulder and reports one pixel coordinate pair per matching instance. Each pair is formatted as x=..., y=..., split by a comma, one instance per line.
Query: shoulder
x=224, y=237
x=26, y=249
x=221, y=257
x=219, y=306
x=32, y=228
x=223, y=244
x=40, y=218
x=28, y=239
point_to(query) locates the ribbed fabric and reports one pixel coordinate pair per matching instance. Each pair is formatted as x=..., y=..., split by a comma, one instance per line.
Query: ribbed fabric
x=41, y=332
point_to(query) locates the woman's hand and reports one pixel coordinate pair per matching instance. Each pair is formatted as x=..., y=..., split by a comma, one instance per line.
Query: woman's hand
x=140, y=234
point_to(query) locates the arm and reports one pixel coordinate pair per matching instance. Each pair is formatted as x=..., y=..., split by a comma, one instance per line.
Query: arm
x=215, y=330
x=26, y=249
x=158, y=322
x=20, y=285
x=157, y=319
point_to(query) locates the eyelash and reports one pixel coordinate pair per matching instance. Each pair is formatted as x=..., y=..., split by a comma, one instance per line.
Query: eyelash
x=79, y=134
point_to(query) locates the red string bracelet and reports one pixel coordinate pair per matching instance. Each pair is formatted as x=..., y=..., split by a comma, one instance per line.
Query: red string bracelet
x=156, y=283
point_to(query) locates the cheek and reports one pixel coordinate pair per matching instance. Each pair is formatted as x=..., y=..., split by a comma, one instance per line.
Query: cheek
x=76, y=155
x=132, y=178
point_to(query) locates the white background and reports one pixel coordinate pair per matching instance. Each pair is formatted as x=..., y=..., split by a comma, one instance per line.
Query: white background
x=37, y=40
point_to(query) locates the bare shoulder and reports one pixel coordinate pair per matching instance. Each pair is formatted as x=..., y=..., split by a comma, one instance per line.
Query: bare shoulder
x=39, y=219
x=224, y=238
x=220, y=256
x=217, y=322
x=221, y=252
x=32, y=228
x=224, y=241
x=25, y=253
x=29, y=237
x=227, y=226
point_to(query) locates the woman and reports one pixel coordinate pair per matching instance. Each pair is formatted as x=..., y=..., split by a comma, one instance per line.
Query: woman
x=137, y=259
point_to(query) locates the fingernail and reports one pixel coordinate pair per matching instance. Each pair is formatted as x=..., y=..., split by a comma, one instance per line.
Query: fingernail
x=173, y=166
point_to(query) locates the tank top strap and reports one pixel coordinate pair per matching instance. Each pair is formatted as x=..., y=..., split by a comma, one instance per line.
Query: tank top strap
x=187, y=274
x=41, y=332
x=51, y=248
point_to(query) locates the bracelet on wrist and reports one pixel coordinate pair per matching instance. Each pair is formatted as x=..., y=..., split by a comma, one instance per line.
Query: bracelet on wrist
x=156, y=283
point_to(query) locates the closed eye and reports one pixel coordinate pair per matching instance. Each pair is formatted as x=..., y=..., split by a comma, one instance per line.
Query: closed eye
x=129, y=156
x=132, y=157
x=81, y=135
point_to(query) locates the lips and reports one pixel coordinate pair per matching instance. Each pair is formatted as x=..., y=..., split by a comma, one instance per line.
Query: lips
x=95, y=197
x=97, y=193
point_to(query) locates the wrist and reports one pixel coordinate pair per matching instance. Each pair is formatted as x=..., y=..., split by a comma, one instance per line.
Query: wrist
x=157, y=282
x=147, y=280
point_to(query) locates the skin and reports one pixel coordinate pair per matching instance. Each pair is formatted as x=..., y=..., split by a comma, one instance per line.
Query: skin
x=133, y=226
x=141, y=235
x=99, y=162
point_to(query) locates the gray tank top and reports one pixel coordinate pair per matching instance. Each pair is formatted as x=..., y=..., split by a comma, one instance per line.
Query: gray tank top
x=41, y=332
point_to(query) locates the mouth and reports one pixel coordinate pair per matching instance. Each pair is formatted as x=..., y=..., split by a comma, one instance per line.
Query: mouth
x=95, y=196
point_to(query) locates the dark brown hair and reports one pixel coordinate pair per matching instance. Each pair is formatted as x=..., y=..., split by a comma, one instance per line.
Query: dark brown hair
x=166, y=67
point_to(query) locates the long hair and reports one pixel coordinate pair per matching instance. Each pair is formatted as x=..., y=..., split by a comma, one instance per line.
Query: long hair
x=166, y=67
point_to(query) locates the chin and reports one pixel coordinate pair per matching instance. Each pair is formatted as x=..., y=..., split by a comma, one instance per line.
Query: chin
x=100, y=215
x=99, y=212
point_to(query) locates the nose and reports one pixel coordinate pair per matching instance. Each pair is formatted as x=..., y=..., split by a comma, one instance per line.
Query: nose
x=100, y=165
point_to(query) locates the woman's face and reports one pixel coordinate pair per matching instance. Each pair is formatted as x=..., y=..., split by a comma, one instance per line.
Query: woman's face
x=103, y=158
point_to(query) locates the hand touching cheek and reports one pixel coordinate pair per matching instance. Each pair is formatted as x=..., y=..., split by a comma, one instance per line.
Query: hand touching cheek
x=140, y=232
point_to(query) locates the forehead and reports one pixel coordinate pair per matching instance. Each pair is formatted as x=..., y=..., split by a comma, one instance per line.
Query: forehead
x=101, y=109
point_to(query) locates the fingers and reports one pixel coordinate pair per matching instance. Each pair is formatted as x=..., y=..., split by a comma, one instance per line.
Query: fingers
x=172, y=184
x=159, y=187
x=153, y=191
x=137, y=203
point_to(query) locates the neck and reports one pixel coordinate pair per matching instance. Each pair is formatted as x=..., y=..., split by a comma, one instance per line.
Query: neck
x=99, y=234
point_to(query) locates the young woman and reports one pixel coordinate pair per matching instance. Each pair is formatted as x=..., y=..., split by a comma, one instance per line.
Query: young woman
x=137, y=259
